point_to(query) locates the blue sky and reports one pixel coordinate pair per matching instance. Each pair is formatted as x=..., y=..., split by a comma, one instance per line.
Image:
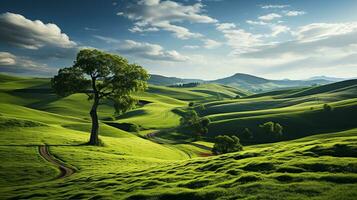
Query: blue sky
x=205, y=39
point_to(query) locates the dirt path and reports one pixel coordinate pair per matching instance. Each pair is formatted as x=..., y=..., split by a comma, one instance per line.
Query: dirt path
x=65, y=171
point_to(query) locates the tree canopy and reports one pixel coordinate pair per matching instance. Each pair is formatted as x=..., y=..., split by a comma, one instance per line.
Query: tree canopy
x=226, y=144
x=101, y=76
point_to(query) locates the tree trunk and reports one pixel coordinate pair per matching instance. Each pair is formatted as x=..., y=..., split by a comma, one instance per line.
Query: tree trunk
x=94, y=139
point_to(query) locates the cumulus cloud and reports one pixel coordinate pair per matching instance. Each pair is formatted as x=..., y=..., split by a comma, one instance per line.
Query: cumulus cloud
x=16, y=64
x=270, y=6
x=211, y=44
x=278, y=29
x=191, y=47
x=143, y=49
x=315, y=39
x=293, y=13
x=149, y=51
x=16, y=30
x=225, y=26
x=252, y=22
x=154, y=15
x=269, y=17
x=7, y=58
x=319, y=31
x=240, y=40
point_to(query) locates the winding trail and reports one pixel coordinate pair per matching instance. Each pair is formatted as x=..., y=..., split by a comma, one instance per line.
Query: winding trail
x=65, y=170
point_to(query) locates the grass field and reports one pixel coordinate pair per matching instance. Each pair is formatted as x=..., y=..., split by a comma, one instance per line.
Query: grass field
x=317, y=160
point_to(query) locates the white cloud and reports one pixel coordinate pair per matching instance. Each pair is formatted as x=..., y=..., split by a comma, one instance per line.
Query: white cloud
x=90, y=29
x=278, y=29
x=15, y=29
x=143, y=49
x=293, y=13
x=150, y=15
x=7, y=59
x=178, y=31
x=108, y=40
x=269, y=17
x=211, y=44
x=320, y=31
x=240, y=40
x=191, y=47
x=139, y=29
x=15, y=64
x=225, y=26
x=251, y=22
x=274, y=6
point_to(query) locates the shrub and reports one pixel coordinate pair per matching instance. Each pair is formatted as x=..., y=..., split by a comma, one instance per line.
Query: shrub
x=272, y=130
x=197, y=124
x=226, y=144
x=134, y=128
x=191, y=104
x=327, y=107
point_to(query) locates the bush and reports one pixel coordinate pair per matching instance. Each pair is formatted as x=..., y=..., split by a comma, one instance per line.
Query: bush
x=226, y=144
x=197, y=124
x=272, y=130
x=191, y=104
x=327, y=107
x=134, y=128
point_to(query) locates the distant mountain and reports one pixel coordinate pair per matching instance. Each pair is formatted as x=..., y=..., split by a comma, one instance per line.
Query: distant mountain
x=240, y=78
x=165, y=81
x=246, y=82
x=333, y=79
x=258, y=84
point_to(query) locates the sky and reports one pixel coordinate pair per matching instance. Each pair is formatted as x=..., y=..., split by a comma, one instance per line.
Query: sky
x=206, y=39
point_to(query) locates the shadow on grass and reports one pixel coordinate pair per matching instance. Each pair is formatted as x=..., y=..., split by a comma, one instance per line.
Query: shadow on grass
x=50, y=145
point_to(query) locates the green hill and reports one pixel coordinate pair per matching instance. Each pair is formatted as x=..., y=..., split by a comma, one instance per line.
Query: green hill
x=151, y=164
x=300, y=111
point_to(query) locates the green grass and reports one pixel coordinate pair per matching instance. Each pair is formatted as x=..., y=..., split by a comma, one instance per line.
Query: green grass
x=288, y=170
x=169, y=165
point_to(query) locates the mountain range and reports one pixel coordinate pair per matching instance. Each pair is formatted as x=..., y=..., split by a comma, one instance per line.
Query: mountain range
x=247, y=82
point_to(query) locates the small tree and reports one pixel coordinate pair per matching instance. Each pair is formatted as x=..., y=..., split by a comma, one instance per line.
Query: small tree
x=226, y=144
x=327, y=107
x=101, y=76
x=193, y=121
x=272, y=130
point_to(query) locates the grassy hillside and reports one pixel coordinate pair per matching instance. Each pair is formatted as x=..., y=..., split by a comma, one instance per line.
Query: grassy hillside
x=155, y=164
x=300, y=111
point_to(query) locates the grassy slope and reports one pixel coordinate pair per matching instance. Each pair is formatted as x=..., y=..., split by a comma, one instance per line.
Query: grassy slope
x=315, y=167
x=301, y=115
x=318, y=167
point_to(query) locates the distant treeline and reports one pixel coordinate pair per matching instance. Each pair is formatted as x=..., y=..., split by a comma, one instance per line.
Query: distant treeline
x=193, y=84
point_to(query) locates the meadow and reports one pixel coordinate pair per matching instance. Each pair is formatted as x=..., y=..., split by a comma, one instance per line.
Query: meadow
x=315, y=158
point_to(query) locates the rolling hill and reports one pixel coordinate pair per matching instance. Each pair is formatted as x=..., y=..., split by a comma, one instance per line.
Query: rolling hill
x=152, y=164
x=300, y=111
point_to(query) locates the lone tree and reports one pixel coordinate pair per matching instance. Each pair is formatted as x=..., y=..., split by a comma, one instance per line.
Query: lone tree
x=226, y=144
x=101, y=76
x=272, y=130
x=197, y=124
